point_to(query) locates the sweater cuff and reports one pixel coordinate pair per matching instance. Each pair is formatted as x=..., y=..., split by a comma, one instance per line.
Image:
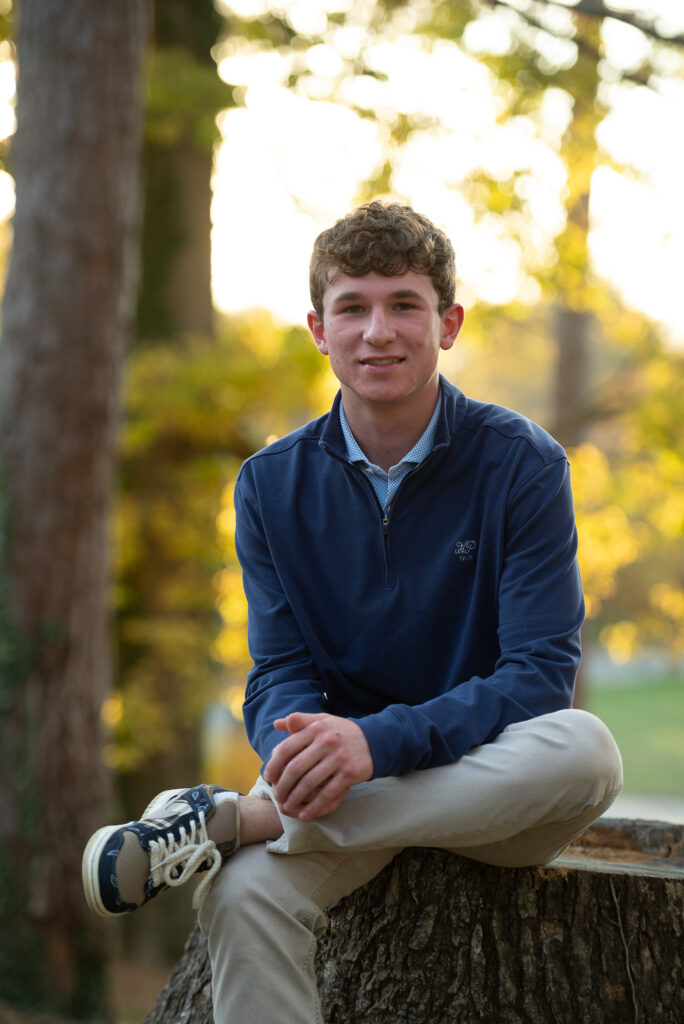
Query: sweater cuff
x=381, y=732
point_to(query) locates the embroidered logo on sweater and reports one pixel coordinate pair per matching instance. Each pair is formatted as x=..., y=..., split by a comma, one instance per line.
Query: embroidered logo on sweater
x=465, y=550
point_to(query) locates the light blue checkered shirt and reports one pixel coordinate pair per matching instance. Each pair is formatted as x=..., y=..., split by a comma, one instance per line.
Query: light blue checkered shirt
x=385, y=483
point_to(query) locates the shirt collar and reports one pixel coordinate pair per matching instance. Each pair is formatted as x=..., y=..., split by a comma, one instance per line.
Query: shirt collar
x=420, y=450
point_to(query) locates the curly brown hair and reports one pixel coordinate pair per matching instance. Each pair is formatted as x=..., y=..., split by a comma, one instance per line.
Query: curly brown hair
x=388, y=239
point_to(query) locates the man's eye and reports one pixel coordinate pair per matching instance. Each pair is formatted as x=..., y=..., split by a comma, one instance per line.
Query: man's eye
x=404, y=305
x=353, y=309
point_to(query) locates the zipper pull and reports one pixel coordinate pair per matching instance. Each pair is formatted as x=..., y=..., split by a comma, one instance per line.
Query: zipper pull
x=385, y=524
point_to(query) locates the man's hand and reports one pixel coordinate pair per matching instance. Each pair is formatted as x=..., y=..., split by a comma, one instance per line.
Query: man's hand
x=313, y=769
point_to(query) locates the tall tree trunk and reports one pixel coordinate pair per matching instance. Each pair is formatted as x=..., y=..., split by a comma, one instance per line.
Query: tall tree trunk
x=67, y=313
x=174, y=301
x=573, y=321
x=572, y=375
x=573, y=317
x=175, y=297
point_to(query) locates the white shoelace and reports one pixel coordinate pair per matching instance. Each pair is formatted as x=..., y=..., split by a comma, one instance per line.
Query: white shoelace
x=187, y=853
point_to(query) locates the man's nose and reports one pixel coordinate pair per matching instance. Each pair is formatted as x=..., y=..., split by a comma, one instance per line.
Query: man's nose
x=378, y=329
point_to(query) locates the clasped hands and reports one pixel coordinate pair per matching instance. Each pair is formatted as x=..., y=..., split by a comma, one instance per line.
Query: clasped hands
x=314, y=768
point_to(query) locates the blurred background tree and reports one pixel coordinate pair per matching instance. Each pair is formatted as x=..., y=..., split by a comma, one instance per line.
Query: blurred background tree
x=202, y=390
x=67, y=314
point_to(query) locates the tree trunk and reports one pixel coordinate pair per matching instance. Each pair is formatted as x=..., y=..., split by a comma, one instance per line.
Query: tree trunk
x=171, y=582
x=572, y=276
x=438, y=939
x=176, y=298
x=571, y=376
x=68, y=310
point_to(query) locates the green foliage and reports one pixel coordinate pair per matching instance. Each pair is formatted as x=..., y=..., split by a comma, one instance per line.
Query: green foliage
x=184, y=96
x=449, y=21
x=647, y=463
x=184, y=92
x=7, y=19
x=266, y=28
x=626, y=476
x=194, y=410
x=194, y=23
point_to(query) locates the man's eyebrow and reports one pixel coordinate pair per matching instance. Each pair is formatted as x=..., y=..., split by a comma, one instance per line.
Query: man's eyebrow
x=405, y=293
x=400, y=293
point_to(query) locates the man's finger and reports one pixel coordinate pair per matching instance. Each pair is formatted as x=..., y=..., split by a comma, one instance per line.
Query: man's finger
x=327, y=800
x=295, y=722
x=304, y=774
x=283, y=754
x=306, y=789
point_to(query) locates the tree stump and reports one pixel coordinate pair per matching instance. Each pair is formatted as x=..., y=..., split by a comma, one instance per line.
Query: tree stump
x=595, y=938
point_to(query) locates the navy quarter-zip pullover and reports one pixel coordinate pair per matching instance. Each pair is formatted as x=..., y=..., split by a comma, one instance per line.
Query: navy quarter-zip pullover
x=434, y=627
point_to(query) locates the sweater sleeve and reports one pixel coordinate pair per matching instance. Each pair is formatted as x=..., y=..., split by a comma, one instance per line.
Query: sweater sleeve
x=540, y=612
x=283, y=678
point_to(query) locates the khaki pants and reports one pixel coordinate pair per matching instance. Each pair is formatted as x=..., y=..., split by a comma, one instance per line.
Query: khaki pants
x=516, y=801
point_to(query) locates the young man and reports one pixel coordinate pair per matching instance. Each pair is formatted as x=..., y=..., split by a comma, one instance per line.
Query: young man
x=414, y=612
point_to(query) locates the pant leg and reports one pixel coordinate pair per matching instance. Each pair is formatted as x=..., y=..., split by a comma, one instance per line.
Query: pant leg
x=262, y=918
x=520, y=798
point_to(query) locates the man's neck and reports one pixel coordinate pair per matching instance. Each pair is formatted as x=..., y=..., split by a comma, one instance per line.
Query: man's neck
x=386, y=432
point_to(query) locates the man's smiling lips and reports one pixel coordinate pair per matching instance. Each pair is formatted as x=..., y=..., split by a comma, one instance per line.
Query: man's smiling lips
x=382, y=361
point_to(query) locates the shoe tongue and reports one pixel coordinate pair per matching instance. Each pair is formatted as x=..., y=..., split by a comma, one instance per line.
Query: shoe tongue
x=222, y=826
x=175, y=810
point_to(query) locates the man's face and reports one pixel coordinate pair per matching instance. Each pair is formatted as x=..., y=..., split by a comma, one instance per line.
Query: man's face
x=383, y=336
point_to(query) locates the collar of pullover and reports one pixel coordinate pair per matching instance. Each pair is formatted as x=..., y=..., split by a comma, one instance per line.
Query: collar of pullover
x=450, y=418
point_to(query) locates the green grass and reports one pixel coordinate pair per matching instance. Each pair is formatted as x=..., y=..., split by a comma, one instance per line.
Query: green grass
x=647, y=721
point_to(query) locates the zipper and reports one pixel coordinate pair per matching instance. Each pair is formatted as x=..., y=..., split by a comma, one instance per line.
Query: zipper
x=389, y=576
x=385, y=521
x=384, y=516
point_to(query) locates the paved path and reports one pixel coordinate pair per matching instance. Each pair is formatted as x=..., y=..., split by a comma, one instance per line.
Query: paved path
x=649, y=807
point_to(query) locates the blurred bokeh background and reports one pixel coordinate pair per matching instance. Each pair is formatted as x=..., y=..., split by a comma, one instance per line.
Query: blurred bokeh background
x=546, y=138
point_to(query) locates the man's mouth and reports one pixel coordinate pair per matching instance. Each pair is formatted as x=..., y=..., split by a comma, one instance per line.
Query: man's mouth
x=386, y=361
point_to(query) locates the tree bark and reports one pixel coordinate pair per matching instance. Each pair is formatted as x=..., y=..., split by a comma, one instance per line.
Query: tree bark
x=572, y=372
x=176, y=296
x=438, y=939
x=67, y=313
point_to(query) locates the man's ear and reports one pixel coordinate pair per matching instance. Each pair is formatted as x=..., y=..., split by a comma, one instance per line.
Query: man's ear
x=452, y=320
x=316, y=327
